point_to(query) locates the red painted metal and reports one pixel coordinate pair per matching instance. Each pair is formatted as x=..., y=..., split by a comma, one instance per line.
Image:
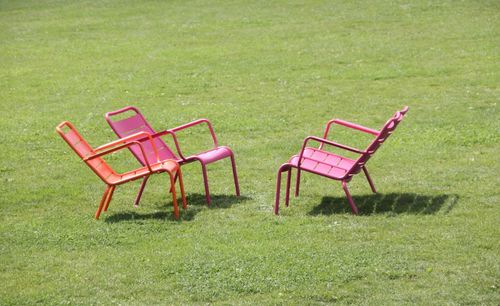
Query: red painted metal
x=136, y=122
x=93, y=158
x=333, y=166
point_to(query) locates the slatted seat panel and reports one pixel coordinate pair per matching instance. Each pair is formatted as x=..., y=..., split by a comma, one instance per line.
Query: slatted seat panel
x=166, y=165
x=132, y=174
x=323, y=162
x=329, y=158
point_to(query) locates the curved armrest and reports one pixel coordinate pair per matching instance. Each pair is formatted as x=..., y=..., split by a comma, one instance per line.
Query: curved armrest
x=188, y=125
x=174, y=137
x=134, y=137
x=325, y=141
x=350, y=125
x=119, y=147
x=354, y=126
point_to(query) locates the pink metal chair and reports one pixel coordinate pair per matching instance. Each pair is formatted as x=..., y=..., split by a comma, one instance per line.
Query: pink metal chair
x=93, y=159
x=333, y=166
x=136, y=122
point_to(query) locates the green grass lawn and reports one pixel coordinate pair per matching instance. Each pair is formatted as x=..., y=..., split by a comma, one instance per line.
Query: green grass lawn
x=267, y=74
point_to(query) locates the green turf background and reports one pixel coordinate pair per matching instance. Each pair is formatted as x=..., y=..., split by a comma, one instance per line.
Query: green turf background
x=267, y=74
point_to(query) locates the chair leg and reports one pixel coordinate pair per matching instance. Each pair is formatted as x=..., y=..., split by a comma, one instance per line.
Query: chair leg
x=174, y=196
x=288, y=179
x=141, y=189
x=101, y=204
x=205, y=181
x=175, y=180
x=283, y=168
x=181, y=183
x=349, y=198
x=297, y=183
x=369, y=180
x=278, y=189
x=108, y=198
x=235, y=176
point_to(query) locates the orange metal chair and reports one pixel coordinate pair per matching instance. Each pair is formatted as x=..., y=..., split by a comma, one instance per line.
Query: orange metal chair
x=93, y=159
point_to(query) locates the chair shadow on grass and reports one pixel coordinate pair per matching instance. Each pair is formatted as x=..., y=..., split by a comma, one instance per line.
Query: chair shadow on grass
x=390, y=203
x=196, y=203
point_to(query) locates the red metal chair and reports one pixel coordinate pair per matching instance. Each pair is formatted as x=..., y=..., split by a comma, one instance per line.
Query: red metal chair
x=93, y=159
x=136, y=122
x=333, y=166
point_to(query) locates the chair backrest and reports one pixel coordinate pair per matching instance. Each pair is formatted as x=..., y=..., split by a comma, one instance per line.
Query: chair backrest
x=83, y=150
x=134, y=124
x=384, y=133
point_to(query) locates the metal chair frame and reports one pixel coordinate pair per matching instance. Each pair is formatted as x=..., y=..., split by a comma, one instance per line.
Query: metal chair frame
x=333, y=166
x=93, y=159
x=137, y=122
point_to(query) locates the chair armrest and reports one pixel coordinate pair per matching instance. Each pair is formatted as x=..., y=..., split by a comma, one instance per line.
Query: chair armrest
x=325, y=141
x=120, y=147
x=350, y=125
x=191, y=124
x=174, y=137
x=353, y=126
x=134, y=137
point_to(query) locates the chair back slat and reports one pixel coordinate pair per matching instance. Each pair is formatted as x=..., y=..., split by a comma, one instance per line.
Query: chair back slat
x=130, y=125
x=384, y=133
x=134, y=124
x=68, y=132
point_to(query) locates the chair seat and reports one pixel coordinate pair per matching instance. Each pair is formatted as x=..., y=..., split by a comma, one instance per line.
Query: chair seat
x=323, y=163
x=166, y=165
x=211, y=155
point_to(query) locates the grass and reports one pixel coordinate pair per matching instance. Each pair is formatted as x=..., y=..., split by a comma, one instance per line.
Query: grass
x=267, y=74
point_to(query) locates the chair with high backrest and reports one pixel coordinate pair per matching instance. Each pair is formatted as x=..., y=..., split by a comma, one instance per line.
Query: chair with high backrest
x=93, y=158
x=334, y=166
x=135, y=122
